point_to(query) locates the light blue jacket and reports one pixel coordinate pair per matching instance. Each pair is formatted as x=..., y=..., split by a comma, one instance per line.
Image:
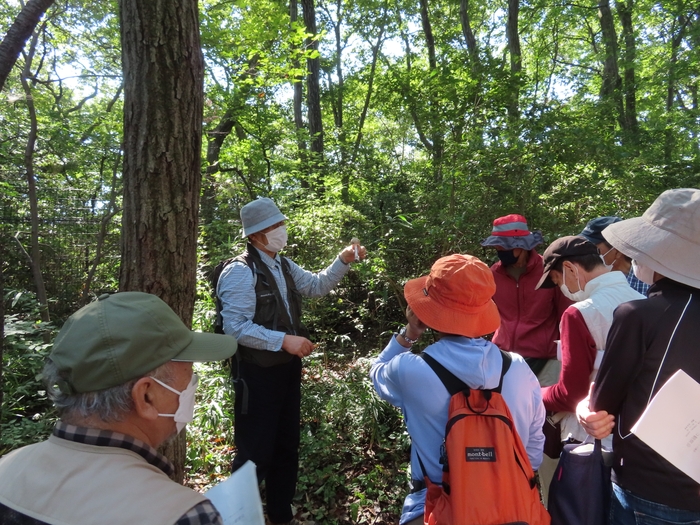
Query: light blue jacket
x=406, y=381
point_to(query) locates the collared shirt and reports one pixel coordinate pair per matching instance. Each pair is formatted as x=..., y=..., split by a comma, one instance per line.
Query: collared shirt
x=203, y=513
x=636, y=284
x=236, y=289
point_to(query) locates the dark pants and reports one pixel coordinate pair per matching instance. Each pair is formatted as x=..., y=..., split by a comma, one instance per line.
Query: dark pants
x=628, y=509
x=268, y=434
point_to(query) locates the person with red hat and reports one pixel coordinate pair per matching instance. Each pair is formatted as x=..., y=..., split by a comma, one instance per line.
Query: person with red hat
x=529, y=317
x=455, y=301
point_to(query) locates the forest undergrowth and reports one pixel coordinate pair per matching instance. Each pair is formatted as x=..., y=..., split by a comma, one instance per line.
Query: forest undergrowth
x=354, y=448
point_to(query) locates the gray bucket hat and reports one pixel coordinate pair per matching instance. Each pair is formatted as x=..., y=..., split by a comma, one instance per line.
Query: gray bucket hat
x=260, y=214
x=666, y=238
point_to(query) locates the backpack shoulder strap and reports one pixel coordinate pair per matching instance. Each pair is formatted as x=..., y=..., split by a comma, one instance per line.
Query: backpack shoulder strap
x=453, y=384
x=507, y=361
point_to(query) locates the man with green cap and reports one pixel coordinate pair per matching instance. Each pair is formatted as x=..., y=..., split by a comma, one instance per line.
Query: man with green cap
x=120, y=375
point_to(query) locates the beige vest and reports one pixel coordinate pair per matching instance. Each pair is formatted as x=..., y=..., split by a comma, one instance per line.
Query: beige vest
x=607, y=292
x=63, y=482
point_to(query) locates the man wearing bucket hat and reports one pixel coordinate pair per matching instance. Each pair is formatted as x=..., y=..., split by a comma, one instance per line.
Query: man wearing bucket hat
x=455, y=300
x=593, y=232
x=529, y=317
x=260, y=294
x=120, y=374
x=648, y=342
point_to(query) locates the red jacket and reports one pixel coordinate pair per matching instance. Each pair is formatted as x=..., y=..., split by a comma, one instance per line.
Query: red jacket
x=529, y=317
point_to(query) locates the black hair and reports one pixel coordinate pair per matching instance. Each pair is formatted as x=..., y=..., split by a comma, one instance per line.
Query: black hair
x=588, y=262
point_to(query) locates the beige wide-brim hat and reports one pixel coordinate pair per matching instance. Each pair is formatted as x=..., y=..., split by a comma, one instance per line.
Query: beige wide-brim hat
x=666, y=238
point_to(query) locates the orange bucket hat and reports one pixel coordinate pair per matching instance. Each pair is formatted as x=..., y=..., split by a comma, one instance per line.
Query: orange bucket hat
x=456, y=297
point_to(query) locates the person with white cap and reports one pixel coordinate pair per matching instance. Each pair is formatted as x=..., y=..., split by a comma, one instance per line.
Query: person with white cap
x=260, y=294
x=455, y=301
x=529, y=317
x=120, y=375
x=648, y=342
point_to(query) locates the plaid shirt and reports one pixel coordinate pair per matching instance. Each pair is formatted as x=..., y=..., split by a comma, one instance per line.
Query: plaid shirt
x=203, y=513
x=636, y=284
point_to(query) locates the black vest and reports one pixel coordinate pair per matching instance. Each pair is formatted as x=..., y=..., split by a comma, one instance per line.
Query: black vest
x=270, y=311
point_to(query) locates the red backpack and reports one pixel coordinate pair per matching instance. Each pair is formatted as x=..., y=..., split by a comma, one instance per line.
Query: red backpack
x=487, y=478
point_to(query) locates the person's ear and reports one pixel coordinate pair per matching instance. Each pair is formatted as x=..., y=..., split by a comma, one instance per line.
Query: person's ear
x=143, y=394
x=258, y=238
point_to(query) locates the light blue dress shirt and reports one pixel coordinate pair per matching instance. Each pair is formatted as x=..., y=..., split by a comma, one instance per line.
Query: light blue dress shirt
x=236, y=289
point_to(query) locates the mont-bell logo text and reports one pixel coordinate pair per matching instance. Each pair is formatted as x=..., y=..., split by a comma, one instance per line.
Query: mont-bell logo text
x=481, y=454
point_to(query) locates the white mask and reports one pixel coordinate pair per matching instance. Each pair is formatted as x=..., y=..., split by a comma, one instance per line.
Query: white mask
x=643, y=272
x=185, y=410
x=276, y=239
x=602, y=258
x=580, y=295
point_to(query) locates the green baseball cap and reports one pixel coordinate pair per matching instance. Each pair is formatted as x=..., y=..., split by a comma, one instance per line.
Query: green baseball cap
x=123, y=336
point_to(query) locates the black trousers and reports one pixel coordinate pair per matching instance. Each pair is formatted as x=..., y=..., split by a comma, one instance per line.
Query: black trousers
x=268, y=434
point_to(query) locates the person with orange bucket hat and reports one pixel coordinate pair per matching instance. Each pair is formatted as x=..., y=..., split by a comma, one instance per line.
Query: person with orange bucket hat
x=455, y=301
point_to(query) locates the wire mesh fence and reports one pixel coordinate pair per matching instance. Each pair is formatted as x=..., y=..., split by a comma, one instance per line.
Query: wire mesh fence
x=78, y=242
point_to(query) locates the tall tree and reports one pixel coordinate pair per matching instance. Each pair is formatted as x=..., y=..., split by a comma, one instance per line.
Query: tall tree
x=629, y=63
x=163, y=96
x=610, y=91
x=19, y=33
x=516, y=58
x=35, y=253
x=313, y=90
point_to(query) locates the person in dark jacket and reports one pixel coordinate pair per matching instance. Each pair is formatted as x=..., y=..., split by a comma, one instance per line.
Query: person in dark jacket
x=529, y=317
x=649, y=341
x=260, y=293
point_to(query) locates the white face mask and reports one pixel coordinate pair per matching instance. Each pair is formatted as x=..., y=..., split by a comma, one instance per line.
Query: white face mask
x=276, y=239
x=185, y=410
x=602, y=258
x=643, y=272
x=580, y=295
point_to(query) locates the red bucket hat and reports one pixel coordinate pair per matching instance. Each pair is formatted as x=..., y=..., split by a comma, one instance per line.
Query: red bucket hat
x=456, y=297
x=510, y=232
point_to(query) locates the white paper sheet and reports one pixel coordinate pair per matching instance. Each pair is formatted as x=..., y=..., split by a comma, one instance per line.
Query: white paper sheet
x=237, y=498
x=671, y=424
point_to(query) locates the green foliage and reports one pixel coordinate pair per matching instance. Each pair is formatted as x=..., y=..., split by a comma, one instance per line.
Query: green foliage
x=354, y=447
x=210, y=435
x=27, y=414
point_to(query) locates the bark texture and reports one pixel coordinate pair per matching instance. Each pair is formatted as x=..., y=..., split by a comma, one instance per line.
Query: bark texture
x=163, y=93
x=18, y=34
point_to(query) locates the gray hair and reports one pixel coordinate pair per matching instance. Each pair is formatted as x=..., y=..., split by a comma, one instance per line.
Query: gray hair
x=109, y=405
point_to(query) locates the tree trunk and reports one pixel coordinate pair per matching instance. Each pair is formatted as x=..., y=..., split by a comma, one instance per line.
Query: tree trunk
x=313, y=94
x=365, y=107
x=629, y=63
x=610, y=93
x=35, y=249
x=298, y=100
x=163, y=95
x=436, y=134
x=470, y=40
x=18, y=34
x=669, y=134
x=513, y=36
